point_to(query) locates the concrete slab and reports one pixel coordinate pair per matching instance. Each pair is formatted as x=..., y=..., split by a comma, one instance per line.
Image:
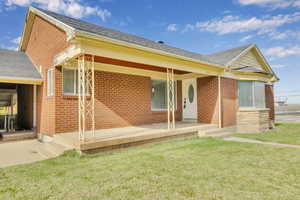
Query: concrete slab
x=20, y=152
x=246, y=140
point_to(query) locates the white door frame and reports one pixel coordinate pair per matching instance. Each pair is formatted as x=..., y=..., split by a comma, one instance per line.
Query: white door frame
x=189, y=109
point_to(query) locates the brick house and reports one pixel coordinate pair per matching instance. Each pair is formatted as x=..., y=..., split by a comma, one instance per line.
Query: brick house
x=135, y=81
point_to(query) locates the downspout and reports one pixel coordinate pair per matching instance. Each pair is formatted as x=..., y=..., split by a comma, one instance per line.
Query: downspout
x=220, y=102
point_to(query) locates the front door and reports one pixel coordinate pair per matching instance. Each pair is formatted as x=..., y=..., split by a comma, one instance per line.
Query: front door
x=189, y=101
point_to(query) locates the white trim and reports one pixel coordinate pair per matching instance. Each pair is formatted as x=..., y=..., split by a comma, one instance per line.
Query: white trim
x=176, y=94
x=50, y=82
x=220, y=102
x=254, y=106
x=68, y=29
x=34, y=106
x=75, y=82
x=20, y=78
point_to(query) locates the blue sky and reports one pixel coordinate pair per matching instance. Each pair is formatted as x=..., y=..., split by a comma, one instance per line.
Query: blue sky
x=200, y=26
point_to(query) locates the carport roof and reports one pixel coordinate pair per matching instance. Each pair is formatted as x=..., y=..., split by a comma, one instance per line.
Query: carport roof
x=16, y=66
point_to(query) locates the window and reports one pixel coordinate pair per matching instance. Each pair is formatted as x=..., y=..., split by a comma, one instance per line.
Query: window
x=50, y=82
x=159, y=100
x=251, y=94
x=70, y=82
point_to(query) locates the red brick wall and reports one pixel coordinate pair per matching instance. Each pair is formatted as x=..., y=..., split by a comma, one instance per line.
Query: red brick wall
x=45, y=42
x=121, y=100
x=229, y=101
x=208, y=100
x=208, y=106
x=269, y=89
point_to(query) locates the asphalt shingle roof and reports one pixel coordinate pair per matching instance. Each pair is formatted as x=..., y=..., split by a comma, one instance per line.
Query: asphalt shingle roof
x=225, y=57
x=114, y=34
x=16, y=64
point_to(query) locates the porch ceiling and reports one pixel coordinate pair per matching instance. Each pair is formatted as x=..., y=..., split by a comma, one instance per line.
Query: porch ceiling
x=134, y=68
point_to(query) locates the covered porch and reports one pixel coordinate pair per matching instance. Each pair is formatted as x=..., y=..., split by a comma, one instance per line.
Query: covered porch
x=179, y=105
x=89, y=58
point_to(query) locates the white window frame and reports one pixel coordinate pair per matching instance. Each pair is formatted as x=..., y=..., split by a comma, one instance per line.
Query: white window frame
x=50, y=82
x=253, y=96
x=75, y=82
x=175, y=88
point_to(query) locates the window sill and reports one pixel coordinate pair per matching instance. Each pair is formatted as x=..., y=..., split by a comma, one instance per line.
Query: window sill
x=161, y=111
x=66, y=96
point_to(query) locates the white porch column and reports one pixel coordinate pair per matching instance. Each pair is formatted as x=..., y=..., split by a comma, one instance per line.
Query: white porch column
x=34, y=106
x=86, y=88
x=171, y=98
x=220, y=101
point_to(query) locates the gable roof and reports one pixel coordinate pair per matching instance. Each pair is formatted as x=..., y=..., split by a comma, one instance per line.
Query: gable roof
x=79, y=25
x=15, y=65
x=225, y=57
x=74, y=26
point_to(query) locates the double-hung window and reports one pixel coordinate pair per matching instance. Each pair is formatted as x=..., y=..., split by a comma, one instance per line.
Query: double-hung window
x=70, y=81
x=50, y=82
x=251, y=94
x=159, y=99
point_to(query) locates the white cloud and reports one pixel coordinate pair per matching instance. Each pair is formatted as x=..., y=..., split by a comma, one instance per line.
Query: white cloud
x=281, y=51
x=246, y=38
x=188, y=27
x=172, y=27
x=72, y=8
x=273, y=4
x=10, y=47
x=16, y=40
x=277, y=65
x=234, y=24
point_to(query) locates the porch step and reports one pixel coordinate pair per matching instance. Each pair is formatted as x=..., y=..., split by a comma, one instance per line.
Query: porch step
x=17, y=136
x=109, y=144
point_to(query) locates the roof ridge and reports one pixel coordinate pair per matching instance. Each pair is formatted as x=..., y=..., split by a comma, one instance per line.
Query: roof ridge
x=235, y=48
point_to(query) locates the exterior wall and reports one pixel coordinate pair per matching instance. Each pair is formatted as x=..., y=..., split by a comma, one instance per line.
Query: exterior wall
x=121, y=100
x=229, y=101
x=208, y=100
x=208, y=105
x=45, y=42
x=253, y=120
x=269, y=89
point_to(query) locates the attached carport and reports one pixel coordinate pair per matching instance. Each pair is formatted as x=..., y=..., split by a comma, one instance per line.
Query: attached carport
x=18, y=80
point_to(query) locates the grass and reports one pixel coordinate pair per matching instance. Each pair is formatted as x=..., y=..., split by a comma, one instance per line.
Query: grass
x=285, y=133
x=205, y=168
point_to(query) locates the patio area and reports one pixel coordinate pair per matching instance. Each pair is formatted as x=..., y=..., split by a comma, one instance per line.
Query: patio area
x=115, y=138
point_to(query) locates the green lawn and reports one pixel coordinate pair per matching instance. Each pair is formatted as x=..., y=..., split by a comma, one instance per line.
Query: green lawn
x=285, y=133
x=193, y=169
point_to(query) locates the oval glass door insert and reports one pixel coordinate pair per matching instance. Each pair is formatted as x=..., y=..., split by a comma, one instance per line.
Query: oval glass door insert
x=191, y=93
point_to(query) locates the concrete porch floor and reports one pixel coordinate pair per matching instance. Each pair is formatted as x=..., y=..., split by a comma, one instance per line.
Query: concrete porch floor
x=109, y=139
